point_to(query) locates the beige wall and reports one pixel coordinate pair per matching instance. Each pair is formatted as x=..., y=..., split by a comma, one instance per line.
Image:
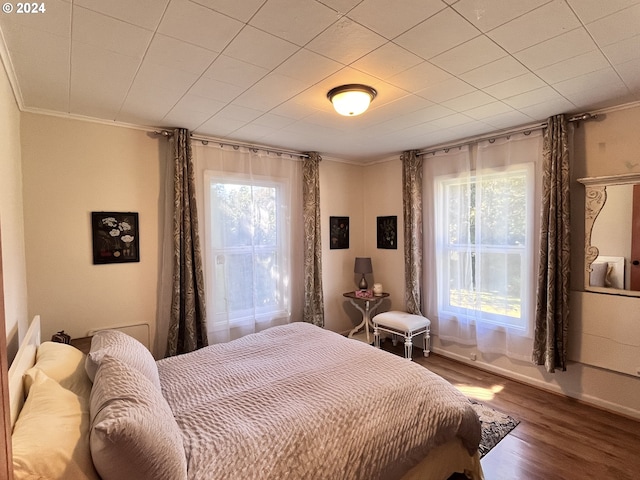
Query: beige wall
x=70, y=169
x=11, y=217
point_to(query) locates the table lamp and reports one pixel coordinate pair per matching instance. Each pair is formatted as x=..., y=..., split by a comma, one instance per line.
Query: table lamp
x=363, y=266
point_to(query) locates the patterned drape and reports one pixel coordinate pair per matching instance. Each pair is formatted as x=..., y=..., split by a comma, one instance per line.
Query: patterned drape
x=187, y=327
x=313, y=296
x=552, y=306
x=412, y=210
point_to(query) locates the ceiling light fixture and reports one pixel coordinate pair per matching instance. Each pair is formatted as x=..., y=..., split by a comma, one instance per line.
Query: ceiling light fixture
x=351, y=100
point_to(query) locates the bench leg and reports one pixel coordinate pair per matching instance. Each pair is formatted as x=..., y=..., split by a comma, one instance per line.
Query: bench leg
x=376, y=337
x=427, y=343
x=408, y=347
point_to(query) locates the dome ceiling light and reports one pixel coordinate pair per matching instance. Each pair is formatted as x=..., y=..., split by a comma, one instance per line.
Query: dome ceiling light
x=351, y=100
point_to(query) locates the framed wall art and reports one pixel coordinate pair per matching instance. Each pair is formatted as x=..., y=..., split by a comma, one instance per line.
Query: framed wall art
x=115, y=237
x=387, y=232
x=339, y=232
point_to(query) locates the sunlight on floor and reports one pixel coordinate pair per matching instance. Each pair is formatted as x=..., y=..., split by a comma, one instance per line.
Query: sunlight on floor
x=480, y=393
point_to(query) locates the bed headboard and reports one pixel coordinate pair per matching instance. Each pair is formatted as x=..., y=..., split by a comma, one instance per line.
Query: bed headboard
x=23, y=361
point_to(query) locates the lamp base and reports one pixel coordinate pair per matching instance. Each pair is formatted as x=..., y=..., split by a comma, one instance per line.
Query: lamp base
x=363, y=285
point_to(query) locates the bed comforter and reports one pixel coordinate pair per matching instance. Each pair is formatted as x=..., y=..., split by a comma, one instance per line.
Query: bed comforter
x=301, y=402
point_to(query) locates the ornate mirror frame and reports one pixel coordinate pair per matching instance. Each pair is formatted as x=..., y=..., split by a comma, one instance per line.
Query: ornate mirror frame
x=595, y=197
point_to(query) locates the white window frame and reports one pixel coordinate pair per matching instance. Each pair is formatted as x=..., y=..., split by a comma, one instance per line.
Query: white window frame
x=443, y=249
x=225, y=318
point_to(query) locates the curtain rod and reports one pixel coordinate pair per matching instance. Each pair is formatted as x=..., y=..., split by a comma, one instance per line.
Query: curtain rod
x=235, y=145
x=526, y=130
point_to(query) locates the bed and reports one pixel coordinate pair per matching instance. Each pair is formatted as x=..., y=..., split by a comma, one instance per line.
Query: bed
x=294, y=401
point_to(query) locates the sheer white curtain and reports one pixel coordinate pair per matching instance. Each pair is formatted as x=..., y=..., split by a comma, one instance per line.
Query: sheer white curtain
x=252, y=231
x=482, y=208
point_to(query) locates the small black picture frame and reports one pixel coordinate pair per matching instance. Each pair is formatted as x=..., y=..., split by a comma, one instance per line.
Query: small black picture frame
x=115, y=237
x=387, y=228
x=338, y=232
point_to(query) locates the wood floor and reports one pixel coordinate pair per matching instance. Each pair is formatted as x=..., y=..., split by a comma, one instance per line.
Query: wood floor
x=557, y=438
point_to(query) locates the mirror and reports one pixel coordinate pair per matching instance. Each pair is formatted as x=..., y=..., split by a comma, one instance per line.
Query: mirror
x=612, y=255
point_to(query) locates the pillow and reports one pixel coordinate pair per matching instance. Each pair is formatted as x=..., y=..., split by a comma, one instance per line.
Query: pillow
x=125, y=348
x=134, y=434
x=598, y=274
x=63, y=364
x=51, y=436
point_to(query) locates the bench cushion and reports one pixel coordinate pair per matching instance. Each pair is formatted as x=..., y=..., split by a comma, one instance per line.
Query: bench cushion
x=402, y=321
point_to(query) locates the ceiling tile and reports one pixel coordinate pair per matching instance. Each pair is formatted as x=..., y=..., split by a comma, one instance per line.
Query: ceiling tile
x=590, y=10
x=109, y=33
x=616, y=27
x=90, y=67
x=259, y=48
x=508, y=120
x=235, y=72
x=419, y=77
x=623, y=51
x=494, y=72
x=238, y=113
x=557, y=49
x=489, y=15
x=169, y=52
x=605, y=79
x=543, y=23
x=543, y=110
x=218, y=126
x=297, y=21
x=345, y=41
x=42, y=64
x=56, y=20
x=185, y=118
x=387, y=61
x=213, y=89
x=144, y=13
x=443, y=91
x=173, y=82
x=472, y=54
x=488, y=110
x=193, y=23
x=269, y=92
x=242, y=11
x=452, y=120
x=444, y=31
x=385, y=18
x=539, y=95
x=573, y=67
x=630, y=73
x=307, y=66
x=515, y=86
x=469, y=101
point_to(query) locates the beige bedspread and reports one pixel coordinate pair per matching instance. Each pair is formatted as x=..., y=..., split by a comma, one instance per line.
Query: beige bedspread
x=300, y=402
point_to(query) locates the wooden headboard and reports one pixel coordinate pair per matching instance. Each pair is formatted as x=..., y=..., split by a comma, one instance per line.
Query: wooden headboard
x=23, y=361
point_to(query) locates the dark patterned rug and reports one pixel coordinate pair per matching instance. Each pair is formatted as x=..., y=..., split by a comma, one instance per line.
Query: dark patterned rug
x=495, y=426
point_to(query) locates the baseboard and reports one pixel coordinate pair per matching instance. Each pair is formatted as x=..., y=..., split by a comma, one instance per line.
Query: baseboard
x=587, y=399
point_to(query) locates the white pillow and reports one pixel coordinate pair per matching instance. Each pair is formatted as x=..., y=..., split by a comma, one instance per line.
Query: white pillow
x=63, y=364
x=51, y=436
x=125, y=348
x=134, y=434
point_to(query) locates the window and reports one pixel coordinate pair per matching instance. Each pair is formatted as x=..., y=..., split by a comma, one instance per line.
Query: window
x=484, y=245
x=246, y=266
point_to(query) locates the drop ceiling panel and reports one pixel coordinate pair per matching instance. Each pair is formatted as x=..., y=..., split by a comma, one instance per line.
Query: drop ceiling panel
x=345, y=41
x=617, y=26
x=172, y=53
x=242, y=11
x=444, y=30
x=235, y=72
x=201, y=26
x=260, y=48
x=385, y=18
x=144, y=13
x=557, y=50
x=574, y=67
x=487, y=15
x=297, y=21
x=387, y=61
x=109, y=33
x=494, y=72
x=515, y=86
x=543, y=23
x=473, y=54
x=590, y=10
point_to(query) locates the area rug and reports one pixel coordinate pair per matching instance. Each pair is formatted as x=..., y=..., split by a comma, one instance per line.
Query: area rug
x=495, y=426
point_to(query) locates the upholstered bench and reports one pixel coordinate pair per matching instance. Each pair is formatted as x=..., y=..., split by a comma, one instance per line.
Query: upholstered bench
x=405, y=324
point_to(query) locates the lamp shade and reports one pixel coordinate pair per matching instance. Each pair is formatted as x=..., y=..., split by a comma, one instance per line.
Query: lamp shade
x=363, y=265
x=351, y=100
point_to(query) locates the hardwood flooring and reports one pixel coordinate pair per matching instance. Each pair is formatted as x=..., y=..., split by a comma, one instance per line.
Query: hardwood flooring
x=558, y=437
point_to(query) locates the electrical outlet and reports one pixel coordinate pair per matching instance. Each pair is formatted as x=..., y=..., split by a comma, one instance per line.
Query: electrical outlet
x=472, y=356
